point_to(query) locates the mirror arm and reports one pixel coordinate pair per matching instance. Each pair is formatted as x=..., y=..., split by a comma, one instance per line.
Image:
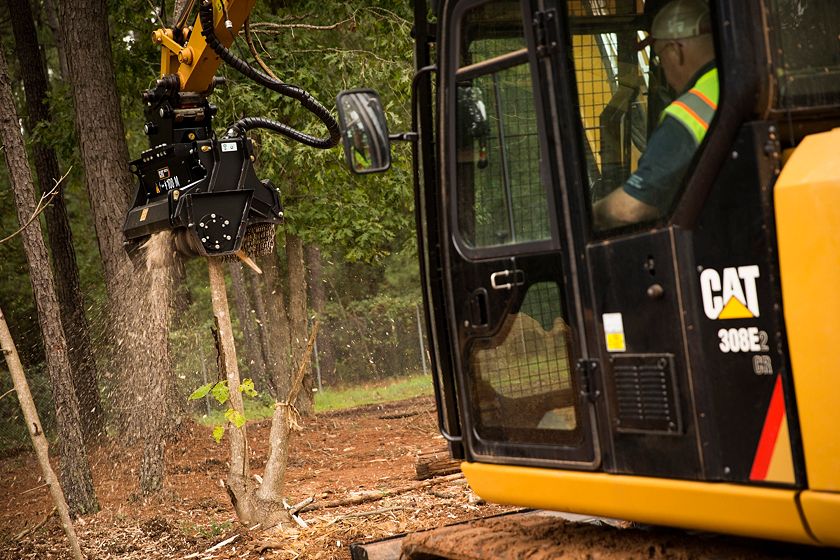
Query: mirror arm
x=404, y=137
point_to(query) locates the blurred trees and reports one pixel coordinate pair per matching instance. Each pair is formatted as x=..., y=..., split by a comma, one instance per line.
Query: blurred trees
x=75, y=474
x=65, y=269
x=360, y=229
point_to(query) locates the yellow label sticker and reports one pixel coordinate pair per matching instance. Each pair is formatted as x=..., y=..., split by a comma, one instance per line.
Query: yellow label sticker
x=614, y=332
x=615, y=342
x=143, y=214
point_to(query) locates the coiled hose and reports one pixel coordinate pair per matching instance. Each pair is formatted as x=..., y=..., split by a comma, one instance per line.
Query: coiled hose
x=205, y=14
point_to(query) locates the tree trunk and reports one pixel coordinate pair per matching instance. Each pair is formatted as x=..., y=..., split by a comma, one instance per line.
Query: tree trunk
x=318, y=299
x=58, y=37
x=298, y=320
x=182, y=299
x=75, y=471
x=36, y=433
x=105, y=157
x=100, y=128
x=139, y=325
x=265, y=321
x=275, y=326
x=160, y=256
x=253, y=347
x=82, y=363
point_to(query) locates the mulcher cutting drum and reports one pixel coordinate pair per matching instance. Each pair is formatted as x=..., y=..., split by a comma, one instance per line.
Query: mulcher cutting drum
x=207, y=192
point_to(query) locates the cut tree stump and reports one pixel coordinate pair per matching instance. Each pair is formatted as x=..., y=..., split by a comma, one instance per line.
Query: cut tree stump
x=435, y=463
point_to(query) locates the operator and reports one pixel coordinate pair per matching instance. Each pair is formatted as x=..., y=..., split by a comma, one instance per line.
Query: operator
x=681, y=39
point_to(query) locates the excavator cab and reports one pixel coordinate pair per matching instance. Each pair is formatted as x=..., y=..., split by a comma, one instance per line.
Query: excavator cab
x=654, y=371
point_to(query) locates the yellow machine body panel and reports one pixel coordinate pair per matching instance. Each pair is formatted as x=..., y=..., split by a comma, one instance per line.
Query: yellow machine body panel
x=807, y=203
x=822, y=512
x=720, y=507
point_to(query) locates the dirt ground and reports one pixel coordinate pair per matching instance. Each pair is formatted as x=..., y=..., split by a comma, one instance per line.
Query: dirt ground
x=336, y=456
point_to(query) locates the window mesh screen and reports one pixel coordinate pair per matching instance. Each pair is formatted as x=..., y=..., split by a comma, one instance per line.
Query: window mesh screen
x=532, y=358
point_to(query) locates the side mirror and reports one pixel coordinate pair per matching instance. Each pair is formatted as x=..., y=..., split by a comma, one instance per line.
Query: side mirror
x=364, y=131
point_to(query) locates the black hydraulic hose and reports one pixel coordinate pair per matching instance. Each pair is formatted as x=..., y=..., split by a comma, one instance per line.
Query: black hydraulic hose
x=205, y=14
x=239, y=127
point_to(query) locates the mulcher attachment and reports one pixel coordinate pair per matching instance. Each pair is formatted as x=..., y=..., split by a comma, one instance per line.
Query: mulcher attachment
x=203, y=188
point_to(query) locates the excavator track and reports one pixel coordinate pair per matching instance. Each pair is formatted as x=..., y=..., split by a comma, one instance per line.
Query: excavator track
x=535, y=535
x=546, y=535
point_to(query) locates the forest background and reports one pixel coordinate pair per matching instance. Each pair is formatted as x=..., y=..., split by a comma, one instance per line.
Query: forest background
x=345, y=257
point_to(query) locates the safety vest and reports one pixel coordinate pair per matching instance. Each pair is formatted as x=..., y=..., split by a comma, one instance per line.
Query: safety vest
x=696, y=107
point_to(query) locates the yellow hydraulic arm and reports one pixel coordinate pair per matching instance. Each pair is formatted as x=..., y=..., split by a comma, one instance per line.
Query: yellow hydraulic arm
x=195, y=63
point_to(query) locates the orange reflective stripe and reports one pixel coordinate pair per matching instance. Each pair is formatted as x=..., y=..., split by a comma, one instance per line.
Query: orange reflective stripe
x=708, y=101
x=691, y=112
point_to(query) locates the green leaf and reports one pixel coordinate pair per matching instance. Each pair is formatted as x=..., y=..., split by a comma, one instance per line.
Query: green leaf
x=220, y=392
x=201, y=392
x=235, y=418
x=218, y=433
x=247, y=387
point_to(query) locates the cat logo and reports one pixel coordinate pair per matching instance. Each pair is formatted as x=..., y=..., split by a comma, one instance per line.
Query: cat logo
x=731, y=294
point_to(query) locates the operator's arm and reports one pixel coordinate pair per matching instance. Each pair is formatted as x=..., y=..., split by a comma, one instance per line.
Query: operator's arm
x=649, y=191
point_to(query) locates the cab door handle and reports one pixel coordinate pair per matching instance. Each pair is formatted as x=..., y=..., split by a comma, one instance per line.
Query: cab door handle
x=507, y=279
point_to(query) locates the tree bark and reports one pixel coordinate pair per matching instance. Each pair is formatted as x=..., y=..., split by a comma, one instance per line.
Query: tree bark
x=239, y=484
x=430, y=464
x=75, y=471
x=160, y=257
x=105, y=157
x=318, y=300
x=275, y=326
x=298, y=320
x=58, y=37
x=36, y=433
x=36, y=86
x=253, y=347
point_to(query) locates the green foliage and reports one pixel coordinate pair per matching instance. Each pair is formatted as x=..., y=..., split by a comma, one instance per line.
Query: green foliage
x=201, y=392
x=213, y=529
x=247, y=387
x=220, y=391
x=235, y=417
x=364, y=224
x=416, y=385
x=369, y=46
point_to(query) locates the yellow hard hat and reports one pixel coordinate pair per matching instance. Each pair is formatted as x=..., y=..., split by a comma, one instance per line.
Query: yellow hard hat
x=681, y=19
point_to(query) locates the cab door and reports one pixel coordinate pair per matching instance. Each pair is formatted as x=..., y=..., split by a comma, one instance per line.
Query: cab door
x=512, y=285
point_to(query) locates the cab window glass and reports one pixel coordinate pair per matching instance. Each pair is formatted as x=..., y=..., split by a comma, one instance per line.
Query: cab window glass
x=647, y=94
x=501, y=199
x=806, y=52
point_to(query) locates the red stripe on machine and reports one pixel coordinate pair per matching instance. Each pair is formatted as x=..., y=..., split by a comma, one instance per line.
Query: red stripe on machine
x=770, y=432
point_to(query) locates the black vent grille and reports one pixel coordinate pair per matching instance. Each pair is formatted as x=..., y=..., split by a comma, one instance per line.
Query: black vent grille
x=645, y=394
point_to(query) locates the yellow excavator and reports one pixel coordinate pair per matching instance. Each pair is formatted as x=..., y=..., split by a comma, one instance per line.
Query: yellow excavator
x=671, y=370
x=674, y=370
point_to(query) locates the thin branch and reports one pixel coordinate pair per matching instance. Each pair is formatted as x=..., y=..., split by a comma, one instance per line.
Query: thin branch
x=38, y=526
x=280, y=26
x=344, y=51
x=156, y=14
x=45, y=201
x=44, y=485
x=375, y=495
x=364, y=514
x=7, y=393
x=254, y=52
x=297, y=384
